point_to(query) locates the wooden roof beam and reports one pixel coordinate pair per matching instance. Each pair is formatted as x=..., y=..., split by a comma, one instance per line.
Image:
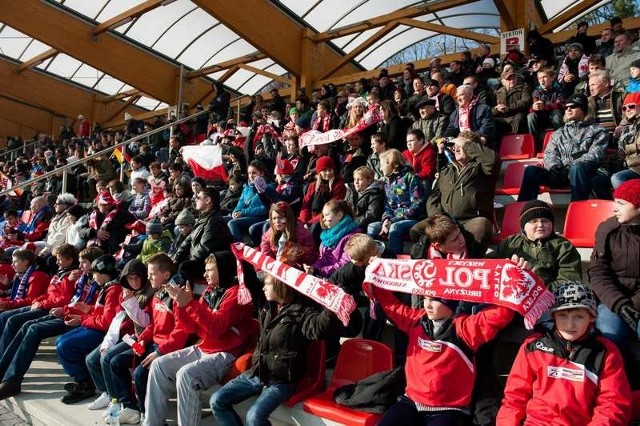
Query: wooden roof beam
x=256, y=56
x=123, y=107
x=567, y=15
x=409, y=12
x=441, y=29
x=38, y=59
x=267, y=74
x=127, y=16
x=595, y=30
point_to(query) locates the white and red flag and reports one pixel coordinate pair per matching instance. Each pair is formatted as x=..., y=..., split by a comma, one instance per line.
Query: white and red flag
x=205, y=161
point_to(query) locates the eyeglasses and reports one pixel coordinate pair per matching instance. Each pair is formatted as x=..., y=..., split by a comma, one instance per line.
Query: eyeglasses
x=572, y=107
x=511, y=77
x=628, y=107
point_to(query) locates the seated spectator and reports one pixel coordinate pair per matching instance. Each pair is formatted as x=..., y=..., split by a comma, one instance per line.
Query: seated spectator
x=444, y=102
x=294, y=157
x=252, y=206
x=605, y=48
x=158, y=240
x=286, y=326
x=421, y=155
x=141, y=203
x=547, y=109
x=378, y=146
x=572, y=158
x=107, y=223
x=232, y=194
x=184, y=223
x=394, y=128
x=404, y=202
x=607, y=400
x=131, y=247
x=119, y=192
x=595, y=63
x=487, y=74
x=573, y=69
x=78, y=230
x=157, y=181
x=613, y=273
x=621, y=58
x=628, y=141
x=365, y=196
x=337, y=226
x=444, y=238
x=465, y=188
x=513, y=101
x=444, y=84
x=471, y=116
x=605, y=102
x=226, y=331
x=29, y=284
x=480, y=93
x=354, y=156
x=633, y=83
x=323, y=118
x=419, y=95
x=400, y=101
x=23, y=342
x=73, y=346
x=326, y=187
x=432, y=123
x=13, y=225
x=37, y=221
x=181, y=200
x=177, y=174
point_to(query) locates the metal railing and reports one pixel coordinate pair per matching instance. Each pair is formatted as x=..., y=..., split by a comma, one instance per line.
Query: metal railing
x=22, y=148
x=64, y=169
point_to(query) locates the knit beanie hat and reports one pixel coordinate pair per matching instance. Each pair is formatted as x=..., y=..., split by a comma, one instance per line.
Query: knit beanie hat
x=629, y=191
x=324, y=163
x=632, y=98
x=572, y=295
x=635, y=64
x=185, y=217
x=535, y=209
x=451, y=304
x=76, y=211
x=154, y=227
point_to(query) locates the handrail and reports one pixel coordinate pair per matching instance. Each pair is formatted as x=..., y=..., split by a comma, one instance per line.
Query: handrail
x=100, y=153
x=23, y=146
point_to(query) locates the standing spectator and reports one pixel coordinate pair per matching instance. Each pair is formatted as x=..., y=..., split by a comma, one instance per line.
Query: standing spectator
x=547, y=108
x=513, y=102
x=277, y=102
x=573, y=69
x=605, y=48
x=219, y=105
x=581, y=37
x=621, y=58
x=84, y=127
x=573, y=157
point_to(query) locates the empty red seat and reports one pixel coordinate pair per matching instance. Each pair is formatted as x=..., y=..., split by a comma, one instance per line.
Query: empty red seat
x=517, y=147
x=583, y=218
x=510, y=222
x=545, y=142
x=513, y=177
x=358, y=358
x=313, y=381
x=240, y=365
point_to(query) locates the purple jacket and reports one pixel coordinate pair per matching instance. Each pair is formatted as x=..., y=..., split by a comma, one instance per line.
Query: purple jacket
x=332, y=259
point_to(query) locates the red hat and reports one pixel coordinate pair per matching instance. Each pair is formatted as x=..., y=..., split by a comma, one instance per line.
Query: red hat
x=139, y=226
x=284, y=167
x=324, y=163
x=632, y=98
x=629, y=191
x=105, y=198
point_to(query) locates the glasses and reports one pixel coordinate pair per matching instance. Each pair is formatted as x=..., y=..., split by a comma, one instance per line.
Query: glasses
x=571, y=106
x=201, y=198
x=511, y=77
x=630, y=107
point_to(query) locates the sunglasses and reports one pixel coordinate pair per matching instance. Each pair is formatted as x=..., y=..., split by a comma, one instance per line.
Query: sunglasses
x=572, y=106
x=628, y=107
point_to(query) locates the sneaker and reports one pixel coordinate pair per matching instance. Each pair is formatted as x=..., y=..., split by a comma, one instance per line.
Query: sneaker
x=9, y=389
x=82, y=391
x=100, y=402
x=129, y=416
x=70, y=386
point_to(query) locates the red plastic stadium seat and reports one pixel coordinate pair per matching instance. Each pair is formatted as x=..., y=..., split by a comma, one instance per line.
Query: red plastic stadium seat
x=583, y=218
x=517, y=147
x=545, y=142
x=313, y=381
x=510, y=222
x=358, y=358
x=241, y=364
x=513, y=177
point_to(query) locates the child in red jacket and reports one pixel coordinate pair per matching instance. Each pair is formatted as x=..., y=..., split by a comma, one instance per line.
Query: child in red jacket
x=440, y=367
x=568, y=375
x=28, y=283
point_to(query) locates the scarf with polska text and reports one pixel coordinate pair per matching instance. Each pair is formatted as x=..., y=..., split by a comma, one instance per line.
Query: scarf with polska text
x=323, y=292
x=493, y=281
x=21, y=284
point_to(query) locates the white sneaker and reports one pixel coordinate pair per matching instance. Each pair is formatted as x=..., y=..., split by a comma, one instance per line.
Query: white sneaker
x=129, y=416
x=100, y=402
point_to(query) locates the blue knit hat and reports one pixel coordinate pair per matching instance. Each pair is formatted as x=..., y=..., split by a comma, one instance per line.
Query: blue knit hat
x=154, y=227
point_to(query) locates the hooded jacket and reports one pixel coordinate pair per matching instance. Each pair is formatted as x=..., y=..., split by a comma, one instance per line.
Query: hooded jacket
x=210, y=234
x=577, y=141
x=367, y=205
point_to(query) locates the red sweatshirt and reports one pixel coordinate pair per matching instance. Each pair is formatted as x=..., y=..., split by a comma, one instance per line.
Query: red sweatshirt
x=59, y=292
x=38, y=282
x=165, y=330
x=423, y=162
x=106, y=307
x=441, y=369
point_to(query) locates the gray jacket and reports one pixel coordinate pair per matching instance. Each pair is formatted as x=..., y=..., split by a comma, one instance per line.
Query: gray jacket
x=577, y=141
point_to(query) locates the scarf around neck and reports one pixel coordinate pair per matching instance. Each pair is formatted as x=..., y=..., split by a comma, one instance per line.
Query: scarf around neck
x=31, y=226
x=330, y=237
x=21, y=283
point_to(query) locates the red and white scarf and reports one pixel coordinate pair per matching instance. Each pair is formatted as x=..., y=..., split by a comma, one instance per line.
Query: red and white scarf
x=493, y=281
x=93, y=219
x=323, y=292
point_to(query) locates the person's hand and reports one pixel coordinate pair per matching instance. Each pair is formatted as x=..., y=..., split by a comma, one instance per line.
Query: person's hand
x=82, y=307
x=127, y=294
x=236, y=214
x=501, y=108
x=568, y=78
x=538, y=105
x=308, y=269
x=3, y=304
x=149, y=359
x=103, y=351
x=440, y=145
x=182, y=296
x=72, y=320
x=630, y=315
x=385, y=227
x=56, y=312
x=103, y=235
x=4, y=280
x=35, y=305
x=520, y=262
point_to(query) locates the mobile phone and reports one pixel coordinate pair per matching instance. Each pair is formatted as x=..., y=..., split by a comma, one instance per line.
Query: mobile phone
x=175, y=281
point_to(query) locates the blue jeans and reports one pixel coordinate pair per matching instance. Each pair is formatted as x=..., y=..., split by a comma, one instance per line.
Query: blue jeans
x=240, y=226
x=622, y=176
x=583, y=178
x=405, y=412
x=242, y=388
x=398, y=231
x=256, y=230
x=141, y=377
x=110, y=372
x=73, y=348
x=613, y=328
x=17, y=358
x=11, y=322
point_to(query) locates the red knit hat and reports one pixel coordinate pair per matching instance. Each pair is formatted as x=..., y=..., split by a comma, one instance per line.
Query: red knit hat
x=284, y=167
x=105, y=198
x=629, y=191
x=324, y=163
x=139, y=226
x=632, y=98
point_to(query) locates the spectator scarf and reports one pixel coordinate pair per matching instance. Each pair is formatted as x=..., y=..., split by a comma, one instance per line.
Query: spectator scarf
x=322, y=124
x=84, y=290
x=493, y=281
x=93, y=219
x=31, y=226
x=20, y=284
x=331, y=237
x=323, y=292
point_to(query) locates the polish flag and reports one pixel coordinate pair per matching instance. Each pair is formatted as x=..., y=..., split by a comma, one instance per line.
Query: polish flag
x=205, y=161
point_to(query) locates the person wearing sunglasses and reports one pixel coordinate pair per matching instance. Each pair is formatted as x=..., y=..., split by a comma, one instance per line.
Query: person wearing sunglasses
x=628, y=143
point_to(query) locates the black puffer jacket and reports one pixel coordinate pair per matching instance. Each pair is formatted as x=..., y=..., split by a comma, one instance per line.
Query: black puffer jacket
x=368, y=206
x=284, y=336
x=210, y=234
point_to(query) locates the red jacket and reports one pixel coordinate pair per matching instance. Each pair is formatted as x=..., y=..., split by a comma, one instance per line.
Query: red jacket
x=164, y=329
x=59, y=292
x=424, y=162
x=550, y=384
x=106, y=307
x=38, y=282
x=440, y=369
x=307, y=216
x=228, y=327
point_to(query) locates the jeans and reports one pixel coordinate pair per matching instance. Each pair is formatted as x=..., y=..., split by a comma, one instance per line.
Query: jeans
x=17, y=358
x=256, y=230
x=110, y=372
x=73, y=348
x=141, y=377
x=622, y=176
x=538, y=121
x=242, y=388
x=405, y=412
x=583, y=178
x=613, y=328
x=13, y=320
x=398, y=231
x=240, y=226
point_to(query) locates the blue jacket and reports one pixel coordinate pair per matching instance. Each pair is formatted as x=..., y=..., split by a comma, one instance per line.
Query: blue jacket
x=250, y=203
x=633, y=85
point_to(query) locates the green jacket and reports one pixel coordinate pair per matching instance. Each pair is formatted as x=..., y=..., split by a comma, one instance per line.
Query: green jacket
x=158, y=245
x=554, y=259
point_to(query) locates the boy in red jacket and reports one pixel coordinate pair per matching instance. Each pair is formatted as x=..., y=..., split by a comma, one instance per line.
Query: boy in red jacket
x=28, y=284
x=440, y=367
x=569, y=375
